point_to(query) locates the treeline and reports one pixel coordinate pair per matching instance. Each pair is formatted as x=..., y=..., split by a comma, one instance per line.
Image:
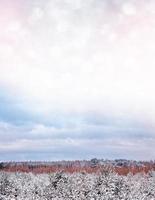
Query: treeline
x=121, y=167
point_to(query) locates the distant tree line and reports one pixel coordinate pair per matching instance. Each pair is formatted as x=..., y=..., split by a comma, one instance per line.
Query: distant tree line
x=122, y=167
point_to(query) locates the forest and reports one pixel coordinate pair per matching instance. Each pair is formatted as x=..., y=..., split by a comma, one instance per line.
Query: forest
x=104, y=184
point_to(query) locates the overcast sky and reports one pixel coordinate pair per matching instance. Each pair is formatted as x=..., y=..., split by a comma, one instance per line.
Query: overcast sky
x=77, y=79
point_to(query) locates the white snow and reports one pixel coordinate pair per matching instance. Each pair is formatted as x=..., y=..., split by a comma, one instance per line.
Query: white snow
x=79, y=186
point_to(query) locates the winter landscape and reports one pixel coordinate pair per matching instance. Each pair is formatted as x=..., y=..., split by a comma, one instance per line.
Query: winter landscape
x=77, y=186
x=103, y=182
x=77, y=99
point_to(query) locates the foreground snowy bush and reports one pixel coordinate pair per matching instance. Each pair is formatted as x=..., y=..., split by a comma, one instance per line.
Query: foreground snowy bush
x=106, y=185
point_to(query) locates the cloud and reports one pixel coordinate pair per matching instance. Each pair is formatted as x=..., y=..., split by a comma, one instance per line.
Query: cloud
x=81, y=56
x=107, y=140
x=77, y=72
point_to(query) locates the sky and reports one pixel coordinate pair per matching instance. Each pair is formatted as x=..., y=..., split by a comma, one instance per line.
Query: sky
x=77, y=79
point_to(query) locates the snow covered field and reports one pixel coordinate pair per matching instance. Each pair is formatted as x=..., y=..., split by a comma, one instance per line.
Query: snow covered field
x=106, y=185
